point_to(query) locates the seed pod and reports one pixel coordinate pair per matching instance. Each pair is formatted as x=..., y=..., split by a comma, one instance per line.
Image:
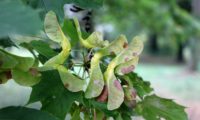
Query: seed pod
x=104, y=95
x=130, y=97
x=130, y=104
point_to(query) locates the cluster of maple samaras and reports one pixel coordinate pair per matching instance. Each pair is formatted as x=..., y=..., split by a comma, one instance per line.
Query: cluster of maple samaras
x=99, y=83
x=104, y=86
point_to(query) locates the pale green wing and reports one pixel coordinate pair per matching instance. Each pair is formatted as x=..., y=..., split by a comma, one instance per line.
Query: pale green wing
x=115, y=92
x=134, y=49
x=53, y=29
x=26, y=78
x=136, y=46
x=21, y=63
x=131, y=51
x=94, y=40
x=128, y=59
x=24, y=63
x=70, y=81
x=60, y=58
x=116, y=46
x=55, y=33
x=96, y=82
x=127, y=67
x=20, y=68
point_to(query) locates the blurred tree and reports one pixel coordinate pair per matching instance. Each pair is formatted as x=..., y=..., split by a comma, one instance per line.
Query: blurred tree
x=186, y=5
x=164, y=20
x=195, y=43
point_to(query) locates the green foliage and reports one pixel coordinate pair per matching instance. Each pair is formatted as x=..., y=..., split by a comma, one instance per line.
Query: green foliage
x=16, y=18
x=172, y=24
x=94, y=4
x=70, y=30
x=22, y=113
x=27, y=19
x=6, y=42
x=55, y=98
x=155, y=108
x=43, y=49
x=142, y=87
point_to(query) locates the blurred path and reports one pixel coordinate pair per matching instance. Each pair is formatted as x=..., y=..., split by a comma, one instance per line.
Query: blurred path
x=174, y=82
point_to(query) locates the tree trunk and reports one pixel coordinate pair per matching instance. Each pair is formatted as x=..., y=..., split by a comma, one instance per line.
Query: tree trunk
x=194, y=44
x=153, y=43
x=196, y=7
x=195, y=41
x=180, y=56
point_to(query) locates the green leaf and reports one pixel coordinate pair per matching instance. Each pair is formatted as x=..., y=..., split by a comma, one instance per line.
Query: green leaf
x=76, y=115
x=70, y=30
x=126, y=117
x=22, y=39
x=99, y=114
x=24, y=19
x=119, y=117
x=103, y=107
x=55, y=98
x=54, y=5
x=22, y=113
x=6, y=42
x=43, y=48
x=7, y=61
x=94, y=4
x=28, y=78
x=155, y=108
x=42, y=59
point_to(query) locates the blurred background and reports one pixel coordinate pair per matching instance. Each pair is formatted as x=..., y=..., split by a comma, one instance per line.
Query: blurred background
x=170, y=29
